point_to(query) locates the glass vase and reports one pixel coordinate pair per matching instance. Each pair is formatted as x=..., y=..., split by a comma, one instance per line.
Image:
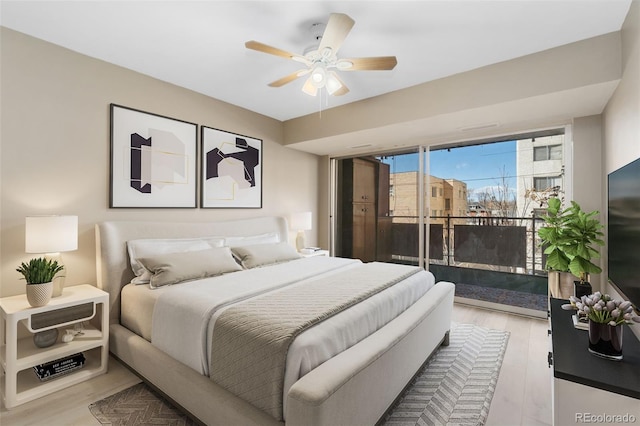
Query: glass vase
x=605, y=340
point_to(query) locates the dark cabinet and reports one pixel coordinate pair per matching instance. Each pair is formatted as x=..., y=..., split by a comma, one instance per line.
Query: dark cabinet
x=364, y=231
x=364, y=196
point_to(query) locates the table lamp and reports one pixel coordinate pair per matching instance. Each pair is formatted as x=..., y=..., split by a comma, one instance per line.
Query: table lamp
x=301, y=222
x=51, y=235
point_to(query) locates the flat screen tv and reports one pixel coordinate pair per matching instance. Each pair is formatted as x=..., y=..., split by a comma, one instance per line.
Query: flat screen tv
x=624, y=231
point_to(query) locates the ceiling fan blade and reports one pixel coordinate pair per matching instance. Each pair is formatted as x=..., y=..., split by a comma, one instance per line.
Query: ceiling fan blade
x=261, y=47
x=309, y=88
x=343, y=89
x=379, y=63
x=337, y=30
x=289, y=78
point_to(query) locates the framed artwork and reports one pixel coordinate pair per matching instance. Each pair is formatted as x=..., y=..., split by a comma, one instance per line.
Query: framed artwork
x=231, y=172
x=153, y=160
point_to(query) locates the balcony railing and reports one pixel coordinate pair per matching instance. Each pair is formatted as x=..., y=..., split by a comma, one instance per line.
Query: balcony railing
x=504, y=244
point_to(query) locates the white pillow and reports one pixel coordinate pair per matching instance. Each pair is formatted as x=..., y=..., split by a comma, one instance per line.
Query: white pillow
x=154, y=247
x=264, y=254
x=174, y=268
x=268, y=238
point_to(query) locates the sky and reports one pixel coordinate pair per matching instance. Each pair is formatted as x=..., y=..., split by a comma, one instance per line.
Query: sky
x=479, y=166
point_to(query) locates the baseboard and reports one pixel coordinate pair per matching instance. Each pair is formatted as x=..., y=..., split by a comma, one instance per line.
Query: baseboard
x=500, y=307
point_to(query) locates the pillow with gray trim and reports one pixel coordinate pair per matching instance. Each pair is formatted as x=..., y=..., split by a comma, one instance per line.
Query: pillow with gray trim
x=264, y=254
x=157, y=246
x=174, y=268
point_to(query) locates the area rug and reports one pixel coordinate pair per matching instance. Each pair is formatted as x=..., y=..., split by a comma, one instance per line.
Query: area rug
x=136, y=406
x=454, y=388
x=457, y=384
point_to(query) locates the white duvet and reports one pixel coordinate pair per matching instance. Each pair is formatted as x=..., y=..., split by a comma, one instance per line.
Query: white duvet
x=184, y=314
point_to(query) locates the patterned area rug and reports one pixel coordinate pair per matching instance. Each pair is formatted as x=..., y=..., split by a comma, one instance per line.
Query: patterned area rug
x=454, y=388
x=136, y=406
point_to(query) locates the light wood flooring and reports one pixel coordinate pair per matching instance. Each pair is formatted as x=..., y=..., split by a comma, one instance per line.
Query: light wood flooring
x=522, y=396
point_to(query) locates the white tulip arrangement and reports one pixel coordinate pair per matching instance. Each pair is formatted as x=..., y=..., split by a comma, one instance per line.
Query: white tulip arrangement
x=603, y=309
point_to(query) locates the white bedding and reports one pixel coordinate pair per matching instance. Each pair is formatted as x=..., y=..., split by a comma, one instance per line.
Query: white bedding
x=181, y=315
x=184, y=314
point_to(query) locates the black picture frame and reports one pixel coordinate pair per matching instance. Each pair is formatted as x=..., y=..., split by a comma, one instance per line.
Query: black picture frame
x=153, y=160
x=231, y=170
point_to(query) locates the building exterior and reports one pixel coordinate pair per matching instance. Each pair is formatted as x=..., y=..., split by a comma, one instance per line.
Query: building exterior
x=540, y=170
x=443, y=197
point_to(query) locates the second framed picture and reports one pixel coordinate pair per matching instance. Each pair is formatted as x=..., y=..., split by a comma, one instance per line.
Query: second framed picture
x=231, y=170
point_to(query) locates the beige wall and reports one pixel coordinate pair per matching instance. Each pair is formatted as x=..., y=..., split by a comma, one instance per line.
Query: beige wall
x=620, y=118
x=55, y=149
x=587, y=63
x=621, y=123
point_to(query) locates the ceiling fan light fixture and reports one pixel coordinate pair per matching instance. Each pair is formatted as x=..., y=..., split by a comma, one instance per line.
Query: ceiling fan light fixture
x=321, y=58
x=318, y=76
x=333, y=84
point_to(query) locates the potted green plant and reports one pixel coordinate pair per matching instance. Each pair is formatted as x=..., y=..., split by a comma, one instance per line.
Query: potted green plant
x=569, y=239
x=39, y=275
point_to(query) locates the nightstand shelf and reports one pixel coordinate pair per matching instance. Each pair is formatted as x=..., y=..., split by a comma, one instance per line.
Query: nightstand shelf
x=18, y=353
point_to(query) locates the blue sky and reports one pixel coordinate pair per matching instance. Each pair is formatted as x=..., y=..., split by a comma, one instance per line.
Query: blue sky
x=479, y=166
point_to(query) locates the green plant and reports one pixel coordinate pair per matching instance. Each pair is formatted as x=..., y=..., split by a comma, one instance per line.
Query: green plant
x=569, y=239
x=39, y=270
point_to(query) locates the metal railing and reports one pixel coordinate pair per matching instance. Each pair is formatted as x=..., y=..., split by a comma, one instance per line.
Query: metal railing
x=505, y=244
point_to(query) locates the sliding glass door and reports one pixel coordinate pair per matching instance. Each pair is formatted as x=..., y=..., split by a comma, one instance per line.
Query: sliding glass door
x=467, y=212
x=379, y=212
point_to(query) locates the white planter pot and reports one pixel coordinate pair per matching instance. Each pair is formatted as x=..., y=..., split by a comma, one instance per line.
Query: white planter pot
x=560, y=284
x=39, y=294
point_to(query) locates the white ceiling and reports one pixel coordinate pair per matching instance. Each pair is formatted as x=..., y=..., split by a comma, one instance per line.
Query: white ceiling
x=199, y=45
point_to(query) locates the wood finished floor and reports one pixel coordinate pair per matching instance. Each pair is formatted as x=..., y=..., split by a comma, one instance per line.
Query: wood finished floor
x=522, y=396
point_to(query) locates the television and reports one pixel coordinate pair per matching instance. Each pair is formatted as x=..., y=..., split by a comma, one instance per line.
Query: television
x=624, y=231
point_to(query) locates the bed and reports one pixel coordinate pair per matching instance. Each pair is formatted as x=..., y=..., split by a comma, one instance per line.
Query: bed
x=352, y=383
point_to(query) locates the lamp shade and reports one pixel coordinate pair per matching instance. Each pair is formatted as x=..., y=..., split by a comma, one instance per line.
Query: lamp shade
x=51, y=234
x=301, y=221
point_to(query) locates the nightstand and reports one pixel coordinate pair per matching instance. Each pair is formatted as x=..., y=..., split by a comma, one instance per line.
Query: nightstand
x=316, y=253
x=19, y=354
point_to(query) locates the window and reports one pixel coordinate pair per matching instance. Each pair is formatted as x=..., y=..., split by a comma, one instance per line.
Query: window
x=548, y=152
x=542, y=183
x=441, y=192
x=434, y=191
x=447, y=203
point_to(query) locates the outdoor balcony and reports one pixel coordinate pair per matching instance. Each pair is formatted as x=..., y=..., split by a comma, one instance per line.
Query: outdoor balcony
x=492, y=260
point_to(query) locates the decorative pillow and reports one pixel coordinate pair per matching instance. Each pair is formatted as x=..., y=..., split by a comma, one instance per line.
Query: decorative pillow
x=154, y=247
x=264, y=254
x=174, y=268
x=269, y=238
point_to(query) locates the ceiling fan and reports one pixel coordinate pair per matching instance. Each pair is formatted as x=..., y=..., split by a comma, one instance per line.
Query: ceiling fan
x=322, y=60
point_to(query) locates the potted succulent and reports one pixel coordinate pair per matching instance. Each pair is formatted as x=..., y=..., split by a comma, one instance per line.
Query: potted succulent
x=39, y=275
x=569, y=239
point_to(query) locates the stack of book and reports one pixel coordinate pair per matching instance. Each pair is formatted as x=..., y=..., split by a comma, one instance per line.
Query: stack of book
x=59, y=367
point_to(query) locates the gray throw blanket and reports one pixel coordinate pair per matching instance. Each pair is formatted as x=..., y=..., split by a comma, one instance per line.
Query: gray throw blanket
x=250, y=340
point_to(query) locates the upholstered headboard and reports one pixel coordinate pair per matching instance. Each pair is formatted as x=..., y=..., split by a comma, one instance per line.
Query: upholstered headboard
x=112, y=260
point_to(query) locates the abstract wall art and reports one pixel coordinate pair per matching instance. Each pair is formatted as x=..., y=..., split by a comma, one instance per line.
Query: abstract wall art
x=153, y=160
x=231, y=170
